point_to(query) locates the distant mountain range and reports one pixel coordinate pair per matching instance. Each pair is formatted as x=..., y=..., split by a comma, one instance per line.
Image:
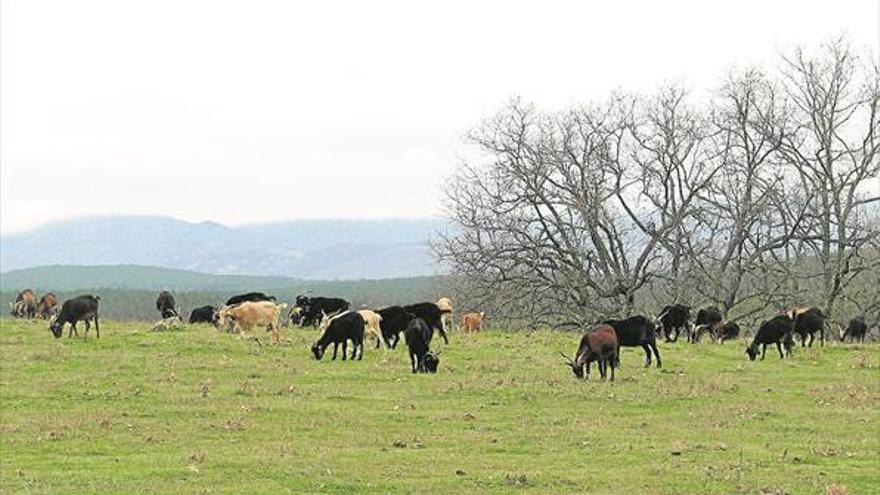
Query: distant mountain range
x=308, y=250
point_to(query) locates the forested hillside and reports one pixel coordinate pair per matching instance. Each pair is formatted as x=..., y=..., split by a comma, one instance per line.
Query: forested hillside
x=129, y=292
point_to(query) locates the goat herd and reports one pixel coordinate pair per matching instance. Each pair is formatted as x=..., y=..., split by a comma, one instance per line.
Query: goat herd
x=602, y=344
x=340, y=325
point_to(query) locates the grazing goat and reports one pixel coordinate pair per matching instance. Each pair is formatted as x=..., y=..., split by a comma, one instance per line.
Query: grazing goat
x=393, y=323
x=80, y=308
x=472, y=322
x=445, y=305
x=47, y=306
x=166, y=324
x=418, y=341
x=808, y=321
x=673, y=320
x=294, y=316
x=730, y=331
x=249, y=297
x=431, y=314
x=339, y=329
x=25, y=305
x=248, y=315
x=312, y=309
x=707, y=319
x=636, y=331
x=777, y=330
x=857, y=329
x=599, y=344
x=372, y=325
x=165, y=305
x=203, y=314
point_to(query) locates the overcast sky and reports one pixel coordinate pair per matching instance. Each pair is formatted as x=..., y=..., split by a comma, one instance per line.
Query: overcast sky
x=256, y=111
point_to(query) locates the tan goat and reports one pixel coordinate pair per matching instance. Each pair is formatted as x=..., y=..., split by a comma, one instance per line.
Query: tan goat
x=472, y=322
x=248, y=315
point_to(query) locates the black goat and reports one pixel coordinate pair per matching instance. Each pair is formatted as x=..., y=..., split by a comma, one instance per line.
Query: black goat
x=808, y=321
x=431, y=314
x=418, y=341
x=709, y=319
x=248, y=297
x=80, y=308
x=636, y=331
x=394, y=321
x=166, y=305
x=730, y=331
x=203, y=314
x=777, y=330
x=340, y=329
x=673, y=320
x=856, y=330
x=312, y=309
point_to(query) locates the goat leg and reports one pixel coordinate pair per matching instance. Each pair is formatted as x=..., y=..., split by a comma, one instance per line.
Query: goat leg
x=656, y=354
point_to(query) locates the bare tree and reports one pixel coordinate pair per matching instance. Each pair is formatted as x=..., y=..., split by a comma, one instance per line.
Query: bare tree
x=831, y=148
x=573, y=211
x=520, y=232
x=746, y=203
x=745, y=215
x=660, y=178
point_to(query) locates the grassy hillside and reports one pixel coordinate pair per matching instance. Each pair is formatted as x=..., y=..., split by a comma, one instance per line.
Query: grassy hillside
x=197, y=411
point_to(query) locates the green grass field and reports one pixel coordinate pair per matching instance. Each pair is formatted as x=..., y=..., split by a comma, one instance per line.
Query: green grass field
x=196, y=411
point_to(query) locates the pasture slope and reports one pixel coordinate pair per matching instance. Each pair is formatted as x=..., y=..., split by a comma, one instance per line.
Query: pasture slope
x=197, y=412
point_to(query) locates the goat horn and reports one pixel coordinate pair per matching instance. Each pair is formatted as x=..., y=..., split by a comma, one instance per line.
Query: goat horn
x=570, y=362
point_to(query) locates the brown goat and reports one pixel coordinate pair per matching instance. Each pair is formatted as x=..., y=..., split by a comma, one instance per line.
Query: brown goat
x=47, y=306
x=25, y=305
x=599, y=344
x=472, y=322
